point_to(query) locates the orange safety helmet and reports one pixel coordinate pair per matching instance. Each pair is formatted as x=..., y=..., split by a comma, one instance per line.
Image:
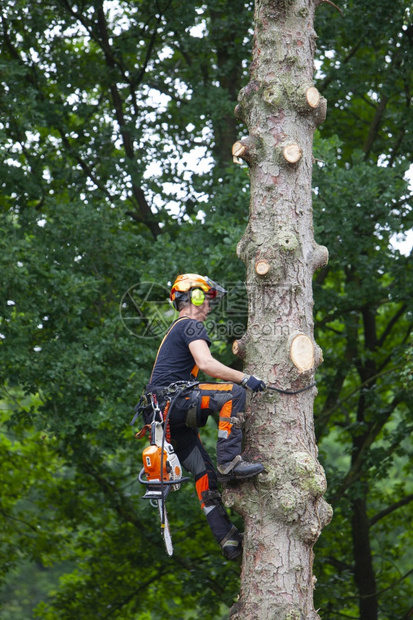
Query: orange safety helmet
x=185, y=284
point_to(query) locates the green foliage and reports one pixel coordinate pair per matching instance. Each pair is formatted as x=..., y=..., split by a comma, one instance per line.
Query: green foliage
x=83, y=209
x=104, y=107
x=364, y=309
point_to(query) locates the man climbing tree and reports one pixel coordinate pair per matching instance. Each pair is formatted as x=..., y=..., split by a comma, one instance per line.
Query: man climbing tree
x=186, y=403
x=284, y=511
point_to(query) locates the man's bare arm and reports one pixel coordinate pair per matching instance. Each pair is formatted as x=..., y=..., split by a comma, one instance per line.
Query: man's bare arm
x=210, y=366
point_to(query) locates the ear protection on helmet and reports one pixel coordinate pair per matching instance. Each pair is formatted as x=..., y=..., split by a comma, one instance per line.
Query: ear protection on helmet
x=197, y=296
x=195, y=288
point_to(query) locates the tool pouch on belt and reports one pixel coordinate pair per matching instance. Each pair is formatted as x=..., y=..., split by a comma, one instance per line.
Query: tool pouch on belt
x=195, y=418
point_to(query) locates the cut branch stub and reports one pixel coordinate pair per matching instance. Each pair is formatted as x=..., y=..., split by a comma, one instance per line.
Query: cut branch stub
x=262, y=267
x=239, y=113
x=238, y=150
x=313, y=97
x=301, y=351
x=292, y=153
x=246, y=100
x=239, y=348
x=318, y=355
x=321, y=111
x=273, y=95
x=319, y=257
x=306, y=98
x=248, y=149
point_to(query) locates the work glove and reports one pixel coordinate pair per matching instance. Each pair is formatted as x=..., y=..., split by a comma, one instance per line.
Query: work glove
x=253, y=383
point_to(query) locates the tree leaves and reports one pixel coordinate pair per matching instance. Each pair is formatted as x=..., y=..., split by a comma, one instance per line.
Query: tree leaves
x=102, y=108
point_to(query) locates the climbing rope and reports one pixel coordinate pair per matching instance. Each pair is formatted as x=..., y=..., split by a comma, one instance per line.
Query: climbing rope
x=275, y=389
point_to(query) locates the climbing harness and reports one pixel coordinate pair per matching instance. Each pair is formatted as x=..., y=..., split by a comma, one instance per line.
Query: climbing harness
x=162, y=471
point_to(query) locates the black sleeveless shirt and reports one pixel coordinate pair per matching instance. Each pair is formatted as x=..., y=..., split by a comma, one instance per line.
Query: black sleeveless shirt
x=174, y=361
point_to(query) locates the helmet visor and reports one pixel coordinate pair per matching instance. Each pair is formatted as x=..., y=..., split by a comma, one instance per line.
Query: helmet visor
x=216, y=292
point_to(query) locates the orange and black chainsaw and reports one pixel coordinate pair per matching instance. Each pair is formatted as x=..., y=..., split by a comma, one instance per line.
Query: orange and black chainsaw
x=162, y=471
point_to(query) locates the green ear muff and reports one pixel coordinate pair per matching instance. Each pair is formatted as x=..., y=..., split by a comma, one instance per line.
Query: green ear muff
x=197, y=297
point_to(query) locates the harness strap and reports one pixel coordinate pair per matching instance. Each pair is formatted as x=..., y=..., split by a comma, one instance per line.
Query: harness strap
x=210, y=497
x=183, y=318
x=143, y=431
x=236, y=421
x=168, y=426
x=228, y=536
x=225, y=469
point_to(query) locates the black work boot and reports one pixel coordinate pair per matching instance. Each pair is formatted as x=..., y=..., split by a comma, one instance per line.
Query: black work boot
x=231, y=545
x=238, y=469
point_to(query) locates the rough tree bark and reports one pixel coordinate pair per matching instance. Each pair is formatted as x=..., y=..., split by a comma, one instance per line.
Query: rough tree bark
x=283, y=511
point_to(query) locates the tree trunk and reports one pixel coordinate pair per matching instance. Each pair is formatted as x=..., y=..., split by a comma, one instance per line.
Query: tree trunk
x=363, y=561
x=283, y=511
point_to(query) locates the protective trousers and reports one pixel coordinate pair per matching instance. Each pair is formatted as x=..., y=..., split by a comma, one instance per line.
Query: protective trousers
x=208, y=398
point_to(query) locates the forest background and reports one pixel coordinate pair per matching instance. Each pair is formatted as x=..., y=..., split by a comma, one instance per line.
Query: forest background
x=116, y=175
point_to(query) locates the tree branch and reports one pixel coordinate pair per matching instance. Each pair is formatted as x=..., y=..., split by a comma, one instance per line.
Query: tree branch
x=332, y=4
x=375, y=126
x=162, y=88
x=146, y=215
x=408, y=615
x=391, y=324
x=395, y=583
x=341, y=566
x=327, y=80
x=383, y=513
x=390, y=356
x=151, y=44
x=360, y=387
x=396, y=147
x=332, y=401
x=11, y=518
x=142, y=587
x=85, y=167
x=355, y=470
